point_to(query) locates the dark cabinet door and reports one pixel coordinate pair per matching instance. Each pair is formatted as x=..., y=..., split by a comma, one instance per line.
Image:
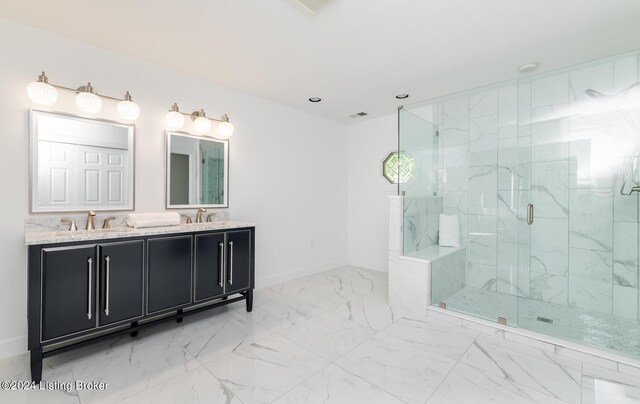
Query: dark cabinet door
x=209, y=266
x=239, y=261
x=169, y=273
x=68, y=290
x=121, y=269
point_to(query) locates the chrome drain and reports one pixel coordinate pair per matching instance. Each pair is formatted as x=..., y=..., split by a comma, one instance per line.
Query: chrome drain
x=545, y=320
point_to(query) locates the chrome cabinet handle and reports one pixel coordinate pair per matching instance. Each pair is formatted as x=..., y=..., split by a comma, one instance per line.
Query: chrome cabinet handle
x=221, y=283
x=108, y=262
x=530, y=214
x=90, y=261
x=231, y=263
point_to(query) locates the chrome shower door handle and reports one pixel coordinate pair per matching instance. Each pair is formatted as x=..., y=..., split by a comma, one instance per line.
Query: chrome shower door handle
x=530, y=214
x=90, y=267
x=231, y=263
x=221, y=283
x=108, y=265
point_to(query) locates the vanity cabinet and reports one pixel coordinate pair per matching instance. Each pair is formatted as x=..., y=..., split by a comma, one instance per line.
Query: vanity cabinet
x=121, y=281
x=68, y=290
x=238, y=267
x=209, y=266
x=169, y=272
x=81, y=291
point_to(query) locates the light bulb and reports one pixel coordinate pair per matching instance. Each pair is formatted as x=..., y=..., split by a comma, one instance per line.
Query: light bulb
x=127, y=109
x=174, y=119
x=41, y=92
x=225, y=128
x=202, y=124
x=87, y=100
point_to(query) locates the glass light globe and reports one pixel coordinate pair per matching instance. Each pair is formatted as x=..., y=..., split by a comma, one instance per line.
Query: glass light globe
x=42, y=93
x=174, y=119
x=128, y=110
x=88, y=102
x=225, y=128
x=202, y=124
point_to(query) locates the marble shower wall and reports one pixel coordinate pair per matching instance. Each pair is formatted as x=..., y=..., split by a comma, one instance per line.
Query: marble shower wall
x=420, y=222
x=544, y=140
x=481, y=180
x=584, y=241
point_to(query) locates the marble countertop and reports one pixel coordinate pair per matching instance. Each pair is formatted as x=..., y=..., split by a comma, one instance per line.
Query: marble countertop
x=52, y=237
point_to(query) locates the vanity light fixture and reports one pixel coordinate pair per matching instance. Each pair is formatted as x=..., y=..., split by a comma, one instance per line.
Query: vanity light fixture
x=41, y=92
x=87, y=99
x=128, y=109
x=174, y=118
x=200, y=121
x=202, y=124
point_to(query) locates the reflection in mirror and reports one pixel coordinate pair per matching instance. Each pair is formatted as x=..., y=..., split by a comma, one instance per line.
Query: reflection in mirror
x=79, y=164
x=197, y=171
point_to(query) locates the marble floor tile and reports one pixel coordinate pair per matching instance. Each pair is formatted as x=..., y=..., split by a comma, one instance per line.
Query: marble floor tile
x=17, y=369
x=196, y=386
x=128, y=365
x=466, y=384
x=408, y=371
x=372, y=310
x=261, y=371
x=545, y=372
x=281, y=314
x=328, y=336
x=334, y=385
x=208, y=337
x=445, y=339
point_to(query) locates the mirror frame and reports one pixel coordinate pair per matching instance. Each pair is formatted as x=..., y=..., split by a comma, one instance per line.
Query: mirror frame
x=167, y=165
x=33, y=163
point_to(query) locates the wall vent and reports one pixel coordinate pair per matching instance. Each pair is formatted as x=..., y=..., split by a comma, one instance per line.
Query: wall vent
x=358, y=115
x=310, y=6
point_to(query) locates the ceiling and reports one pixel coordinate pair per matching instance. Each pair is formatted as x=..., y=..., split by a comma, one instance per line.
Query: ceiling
x=355, y=54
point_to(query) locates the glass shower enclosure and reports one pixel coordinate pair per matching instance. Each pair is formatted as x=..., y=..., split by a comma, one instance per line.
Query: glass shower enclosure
x=543, y=174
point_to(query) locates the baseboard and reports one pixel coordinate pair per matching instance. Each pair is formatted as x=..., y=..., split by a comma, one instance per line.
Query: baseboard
x=372, y=265
x=13, y=346
x=298, y=273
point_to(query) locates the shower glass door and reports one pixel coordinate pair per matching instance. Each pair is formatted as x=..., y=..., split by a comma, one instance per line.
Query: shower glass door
x=417, y=175
x=578, y=211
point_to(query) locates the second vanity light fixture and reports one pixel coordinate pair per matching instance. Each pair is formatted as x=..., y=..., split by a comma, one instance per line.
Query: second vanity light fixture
x=201, y=123
x=87, y=99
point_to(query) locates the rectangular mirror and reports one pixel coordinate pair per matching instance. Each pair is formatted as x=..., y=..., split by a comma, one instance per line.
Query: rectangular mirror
x=197, y=171
x=80, y=164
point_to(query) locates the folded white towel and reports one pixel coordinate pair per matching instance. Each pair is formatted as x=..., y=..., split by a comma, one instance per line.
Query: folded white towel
x=139, y=220
x=449, y=229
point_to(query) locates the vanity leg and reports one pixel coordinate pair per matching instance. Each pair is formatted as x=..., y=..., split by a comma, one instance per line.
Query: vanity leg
x=134, y=333
x=249, y=300
x=180, y=318
x=36, y=365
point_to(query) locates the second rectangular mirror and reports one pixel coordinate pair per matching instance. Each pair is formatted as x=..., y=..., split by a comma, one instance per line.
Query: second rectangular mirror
x=197, y=171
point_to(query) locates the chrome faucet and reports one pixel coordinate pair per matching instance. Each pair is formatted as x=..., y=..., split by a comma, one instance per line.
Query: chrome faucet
x=200, y=215
x=210, y=216
x=90, y=216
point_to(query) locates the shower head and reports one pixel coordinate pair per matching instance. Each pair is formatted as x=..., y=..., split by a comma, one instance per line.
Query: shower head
x=597, y=95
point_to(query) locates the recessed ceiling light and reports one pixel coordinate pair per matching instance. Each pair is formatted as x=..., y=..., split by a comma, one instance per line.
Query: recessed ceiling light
x=402, y=96
x=528, y=68
x=315, y=99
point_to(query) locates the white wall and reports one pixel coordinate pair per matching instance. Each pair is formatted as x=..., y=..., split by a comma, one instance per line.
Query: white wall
x=369, y=144
x=287, y=171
